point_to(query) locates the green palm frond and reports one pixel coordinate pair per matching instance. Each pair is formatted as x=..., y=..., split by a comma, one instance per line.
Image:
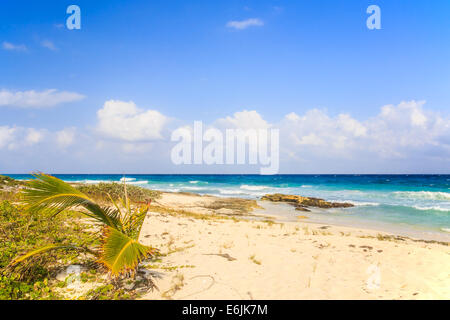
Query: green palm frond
x=121, y=254
x=52, y=195
x=45, y=249
x=132, y=219
x=134, y=223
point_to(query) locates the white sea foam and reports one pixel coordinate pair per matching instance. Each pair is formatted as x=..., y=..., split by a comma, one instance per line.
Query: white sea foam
x=86, y=181
x=170, y=189
x=253, y=188
x=231, y=192
x=192, y=188
x=127, y=179
x=437, y=208
x=131, y=181
x=423, y=195
x=138, y=182
x=445, y=229
x=361, y=203
x=194, y=181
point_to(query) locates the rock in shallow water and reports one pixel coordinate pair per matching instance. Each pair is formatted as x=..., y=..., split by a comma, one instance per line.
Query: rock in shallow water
x=301, y=203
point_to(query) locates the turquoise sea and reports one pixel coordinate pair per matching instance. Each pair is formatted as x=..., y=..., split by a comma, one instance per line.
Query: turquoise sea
x=418, y=204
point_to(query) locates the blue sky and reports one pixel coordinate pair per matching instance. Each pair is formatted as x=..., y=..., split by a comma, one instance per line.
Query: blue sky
x=183, y=60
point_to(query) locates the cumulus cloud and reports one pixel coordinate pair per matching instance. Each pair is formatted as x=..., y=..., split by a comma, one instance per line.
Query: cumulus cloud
x=37, y=99
x=406, y=136
x=244, y=24
x=125, y=121
x=317, y=141
x=34, y=136
x=317, y=129
x=244, y=120
x=6, y=135
x=17, y=137
x=65, y=137
x=401, y=130
x=406, y=128
x=13, y=47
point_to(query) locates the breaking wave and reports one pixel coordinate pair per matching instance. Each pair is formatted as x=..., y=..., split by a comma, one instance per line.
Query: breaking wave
x=253, y=188
x=431, y=195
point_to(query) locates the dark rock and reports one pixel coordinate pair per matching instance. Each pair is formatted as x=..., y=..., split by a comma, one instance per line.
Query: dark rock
x=302, y=208
x=301, y=203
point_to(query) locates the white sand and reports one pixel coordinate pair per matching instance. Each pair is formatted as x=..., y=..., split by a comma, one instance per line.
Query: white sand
x=295, y=260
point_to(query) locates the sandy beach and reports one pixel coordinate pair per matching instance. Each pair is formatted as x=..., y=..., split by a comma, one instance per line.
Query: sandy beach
x=207, y=255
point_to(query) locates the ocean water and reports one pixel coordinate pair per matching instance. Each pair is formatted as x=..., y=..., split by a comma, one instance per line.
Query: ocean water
x=419, y=203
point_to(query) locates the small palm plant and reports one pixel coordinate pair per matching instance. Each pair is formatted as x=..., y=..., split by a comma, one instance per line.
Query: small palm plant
x=120, y=251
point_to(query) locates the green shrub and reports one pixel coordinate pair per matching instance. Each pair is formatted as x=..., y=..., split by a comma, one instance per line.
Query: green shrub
x=116, y=190
x=9, y=188
x=108, y=292
x=8, y=181
x=21, y=231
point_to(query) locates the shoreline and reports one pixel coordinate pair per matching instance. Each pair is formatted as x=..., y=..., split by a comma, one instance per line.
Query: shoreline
x=232, y=248
x=409, y=231
x=416, y=232
x=270, y=210
x=230, y=257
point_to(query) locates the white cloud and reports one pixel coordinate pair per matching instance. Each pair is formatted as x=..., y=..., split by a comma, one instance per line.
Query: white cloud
x=244, y=120
x=65, y=137
x=37, y=99
x=49, y=45
x=315, y=131
x=406, y=137
x=292, y=116
x=318, y=142
x=17, y=137
x=6, y=135
x=346, y=123
x=399, y=131
x=125, y=121
x=244, y=24
x=13, y=47
x=136, y=148
x=34, y=136
x=311, y=139
x=405, y=128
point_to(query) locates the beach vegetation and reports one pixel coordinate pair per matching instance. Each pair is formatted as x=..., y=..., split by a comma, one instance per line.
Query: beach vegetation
x=254, y=260
x=103, y=192
x=120, y=225
x=8, y=181
x=177, y=249
x=228, y=245
x=108, y=292
x=236, y=205
x=9, y=195
x=269, y=222
x=187, y=214
x=22, y=231
x=306, y=230
x=177, y=284
x=168, y=268
x=9, y=188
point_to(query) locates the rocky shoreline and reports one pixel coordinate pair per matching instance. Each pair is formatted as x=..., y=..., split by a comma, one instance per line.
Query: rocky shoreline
x=303, y=203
